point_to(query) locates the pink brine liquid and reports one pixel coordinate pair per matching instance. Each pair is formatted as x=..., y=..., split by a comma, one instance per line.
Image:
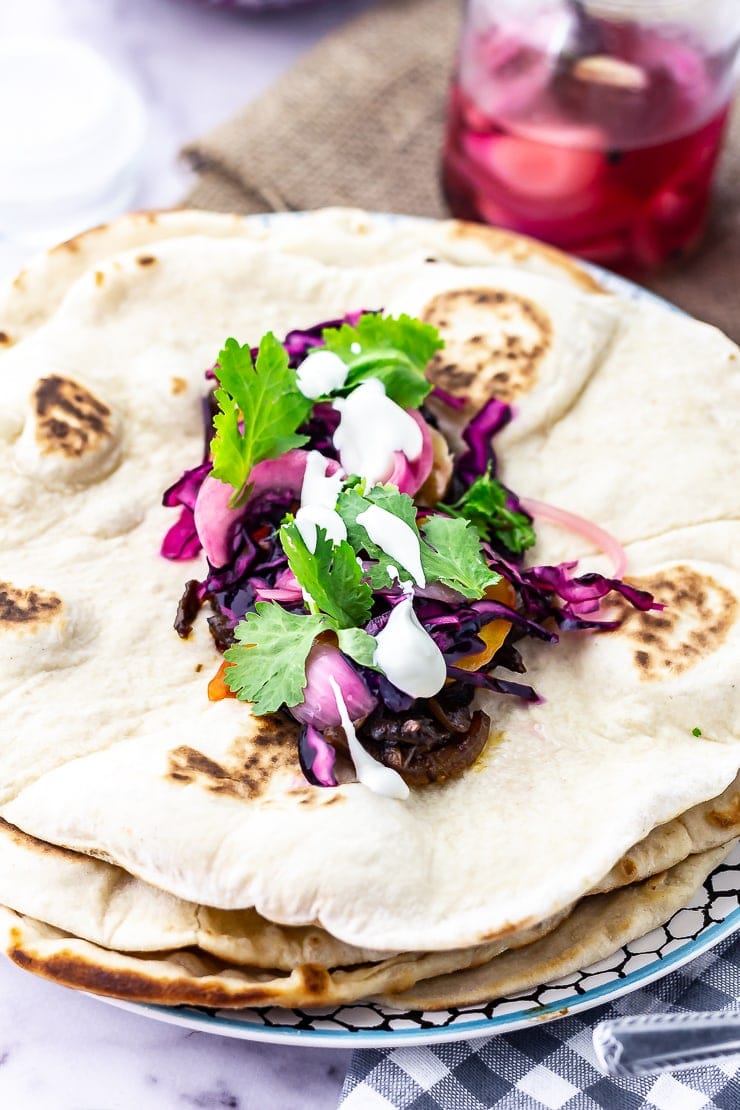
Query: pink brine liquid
x=606, y=152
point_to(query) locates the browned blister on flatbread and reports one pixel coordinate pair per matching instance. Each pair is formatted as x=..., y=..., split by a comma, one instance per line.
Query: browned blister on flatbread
x=697, y=616
x=34, y=630
x=495, y=342
x=71, y=437
x=27, y=608
x=250, y=766
x=70, y=420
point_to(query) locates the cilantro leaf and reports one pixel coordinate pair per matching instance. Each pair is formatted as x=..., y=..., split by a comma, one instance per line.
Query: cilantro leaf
x=268, y=663
x=359, y=645
x=330, y=575
x=455, y=557
x=260, y=409
x=484, y=505
x=349, y=506
x=394, y=349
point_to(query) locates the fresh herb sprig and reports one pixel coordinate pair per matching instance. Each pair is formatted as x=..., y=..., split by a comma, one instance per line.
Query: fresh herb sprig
x=329, y=575
x=260, y=410
x=396, y=350
x=484, y=504
x=451, y=554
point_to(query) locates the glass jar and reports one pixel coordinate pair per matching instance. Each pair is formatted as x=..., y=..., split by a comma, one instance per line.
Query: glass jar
x=595, y=126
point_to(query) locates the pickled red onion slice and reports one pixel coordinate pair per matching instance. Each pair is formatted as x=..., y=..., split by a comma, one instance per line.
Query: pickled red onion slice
x=319, y=707
x=561, y=518
x=216, y=522
x=409, y=476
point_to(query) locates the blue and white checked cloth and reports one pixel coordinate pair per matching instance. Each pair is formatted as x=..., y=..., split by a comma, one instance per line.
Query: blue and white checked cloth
x=552, y=1066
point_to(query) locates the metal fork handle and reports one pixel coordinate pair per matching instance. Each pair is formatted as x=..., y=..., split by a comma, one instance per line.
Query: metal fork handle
x=648, y=1043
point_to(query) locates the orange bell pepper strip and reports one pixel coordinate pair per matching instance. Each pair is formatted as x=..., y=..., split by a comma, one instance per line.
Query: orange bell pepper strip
x=494, y=633
x=217, y=688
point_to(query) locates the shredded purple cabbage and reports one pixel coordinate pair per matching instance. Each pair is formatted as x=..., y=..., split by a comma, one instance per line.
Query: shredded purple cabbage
x=316, y=757
x=449, y=399
x=478, y=435
x=300, y=341
x=181, y=541
x=498, y=685
x=584, y=592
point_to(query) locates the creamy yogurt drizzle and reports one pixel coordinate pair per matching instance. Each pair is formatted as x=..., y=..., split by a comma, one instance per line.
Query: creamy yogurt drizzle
x=408, y=656
x=371, y=429
x=375, y=776
x=395, y=538
x=319, y=494
x=321, y=373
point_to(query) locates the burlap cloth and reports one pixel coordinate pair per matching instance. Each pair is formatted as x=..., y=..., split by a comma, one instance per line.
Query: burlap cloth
x=358, y=121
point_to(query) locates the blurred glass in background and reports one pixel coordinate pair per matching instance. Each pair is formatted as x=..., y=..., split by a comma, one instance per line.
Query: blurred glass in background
x=73, y=129
x=73, y=133
x=594, y=126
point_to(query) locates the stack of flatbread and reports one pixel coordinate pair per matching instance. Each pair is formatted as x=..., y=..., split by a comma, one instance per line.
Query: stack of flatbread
x=158, y=846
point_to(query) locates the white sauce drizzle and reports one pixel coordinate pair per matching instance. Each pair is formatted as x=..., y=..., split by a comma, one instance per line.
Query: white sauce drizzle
x=395, y=538
x=408, y=656
x=321, y=373
x=375, y=776
x=319, y=494
x=306, y=520
x=371, y=429
x=320, y=488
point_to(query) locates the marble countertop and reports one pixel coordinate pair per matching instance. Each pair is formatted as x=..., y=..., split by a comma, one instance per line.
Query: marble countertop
x=59, y=1050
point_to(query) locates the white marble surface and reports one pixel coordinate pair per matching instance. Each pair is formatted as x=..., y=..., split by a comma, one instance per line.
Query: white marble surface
x=195, y=66
x=61, y=1050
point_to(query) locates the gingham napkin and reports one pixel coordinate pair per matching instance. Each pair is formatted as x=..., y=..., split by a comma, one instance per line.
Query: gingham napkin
x=553, y=1067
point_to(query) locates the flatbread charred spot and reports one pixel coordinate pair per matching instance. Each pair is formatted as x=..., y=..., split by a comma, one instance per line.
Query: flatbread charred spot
x=314, y=978
x=178, y=385
x=698, y=615
x=727, y=817
x=200, y=987
x=70, y=420
x=250, y=766
x=628, y=868
x=504, y=931
x=69, y=246
x=27, y=607
x=310, y=797
x=495, y=342
x=5, y=339
x=146, y=260
x=30, y=843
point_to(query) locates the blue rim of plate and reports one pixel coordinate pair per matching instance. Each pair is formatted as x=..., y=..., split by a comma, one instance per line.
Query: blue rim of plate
x=222, y=1023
